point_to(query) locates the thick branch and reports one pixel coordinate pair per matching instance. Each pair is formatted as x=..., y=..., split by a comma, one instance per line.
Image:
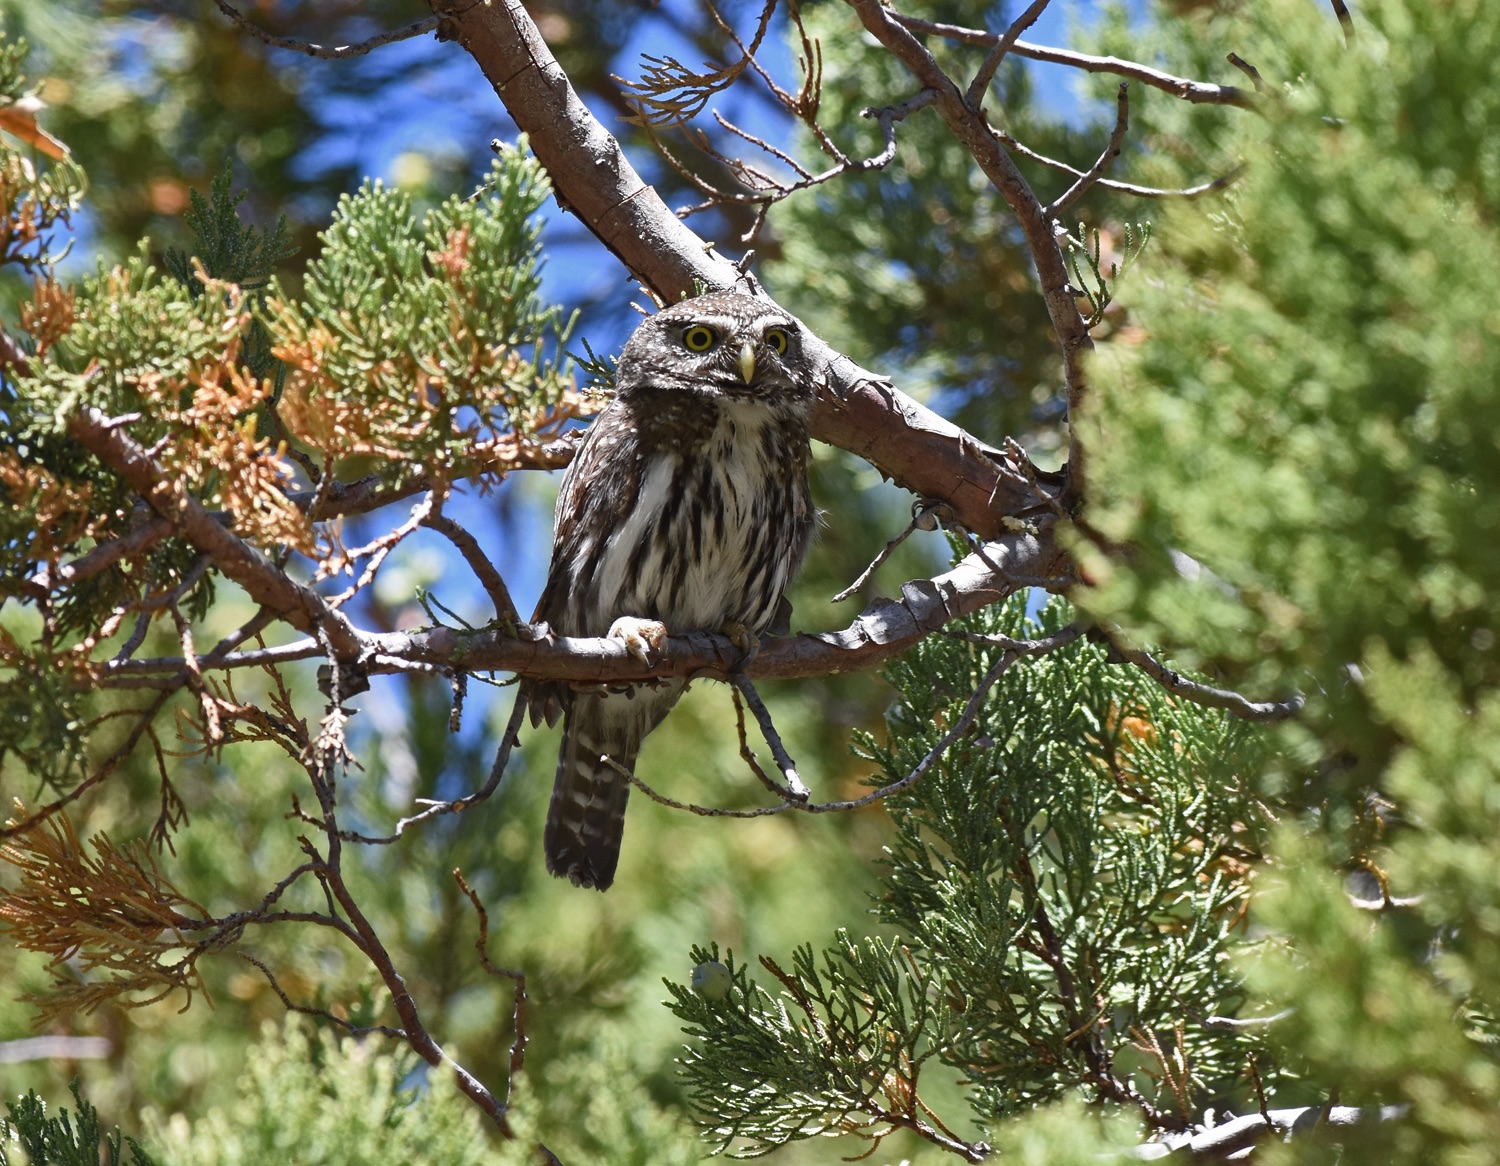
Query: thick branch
x=885, y=629
x=857, y=410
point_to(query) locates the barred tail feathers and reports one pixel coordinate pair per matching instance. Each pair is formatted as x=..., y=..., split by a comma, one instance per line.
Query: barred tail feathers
x=602, y=735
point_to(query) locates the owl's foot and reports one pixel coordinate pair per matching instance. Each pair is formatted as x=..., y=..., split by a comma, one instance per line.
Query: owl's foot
x=748, y=644
x=641, y=637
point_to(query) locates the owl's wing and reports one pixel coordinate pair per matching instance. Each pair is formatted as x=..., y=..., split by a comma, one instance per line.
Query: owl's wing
x=598, y=490
x=597, y=493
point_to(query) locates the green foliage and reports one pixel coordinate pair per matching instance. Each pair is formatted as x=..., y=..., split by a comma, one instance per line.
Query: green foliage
x=41, y=718
x=53, y=1141
x=319, y=1099
x=1068, y=881
x=228, y=248
x=409, y=342
x=1084, y=252
x=235, y=252
x=1310, y=417
x=844, y=1059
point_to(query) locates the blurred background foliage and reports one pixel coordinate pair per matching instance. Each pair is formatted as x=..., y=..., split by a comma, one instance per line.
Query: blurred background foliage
x=1295, y=390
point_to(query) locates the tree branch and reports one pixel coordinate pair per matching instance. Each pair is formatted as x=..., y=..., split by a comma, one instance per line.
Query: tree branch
x=1205, y=694
x=856, y=409
x=1233, y=1137
x=1196, y=92
x=1003, y=44
x=328, y=52
x=1087, y=180
x=271, y=588
x=972, y=130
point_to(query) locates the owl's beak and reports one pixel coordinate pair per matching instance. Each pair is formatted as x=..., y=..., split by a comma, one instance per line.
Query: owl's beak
x=747, y=362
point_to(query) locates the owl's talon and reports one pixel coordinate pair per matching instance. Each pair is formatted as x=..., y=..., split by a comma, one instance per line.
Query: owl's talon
x=749, y=645
x=641, y=637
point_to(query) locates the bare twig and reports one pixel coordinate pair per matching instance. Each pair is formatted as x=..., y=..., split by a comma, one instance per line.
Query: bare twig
x=924, y=517
x=1096, y=171
x=795, y=789
x=764, y=191
x=1205, y=694
x=746, y=752
x=322, y=768
x=482, y=946
x=319, y=1013
x=1003, y=45
x=1197, y=92
x=1249, y=70
x=328, y=52
x=1131, y=188
x=508, y=740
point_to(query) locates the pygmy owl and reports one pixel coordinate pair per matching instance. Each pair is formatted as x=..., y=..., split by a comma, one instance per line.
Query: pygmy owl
x=685, y=509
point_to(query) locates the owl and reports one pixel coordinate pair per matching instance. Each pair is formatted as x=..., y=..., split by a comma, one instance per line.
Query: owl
x=685, y=509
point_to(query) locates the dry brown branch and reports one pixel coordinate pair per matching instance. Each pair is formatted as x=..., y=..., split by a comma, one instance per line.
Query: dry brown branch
x=322, y=768
x=484, y=570
x=482, y=946
x=795, y=789
x=1131, y=188
x=1250, y=71
x=972, y=130
x=509, y=739
x=271, y=588
x=115, y=917
x=925, y=516
x=1205, y=694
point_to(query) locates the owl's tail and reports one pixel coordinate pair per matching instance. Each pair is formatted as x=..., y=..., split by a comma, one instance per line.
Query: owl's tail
x=602, y=736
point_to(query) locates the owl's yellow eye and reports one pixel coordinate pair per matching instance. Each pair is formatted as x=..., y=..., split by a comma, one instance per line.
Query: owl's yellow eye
x=776, y=338
x=700, y=338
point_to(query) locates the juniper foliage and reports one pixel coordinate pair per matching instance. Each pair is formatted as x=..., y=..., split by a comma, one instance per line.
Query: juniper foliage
x=55, y=1139
x=1065, y=894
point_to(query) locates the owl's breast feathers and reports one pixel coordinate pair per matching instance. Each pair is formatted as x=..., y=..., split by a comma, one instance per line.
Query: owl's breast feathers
x=687, y=508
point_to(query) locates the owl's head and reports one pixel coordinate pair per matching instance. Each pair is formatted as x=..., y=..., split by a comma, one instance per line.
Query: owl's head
x=731, y=346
